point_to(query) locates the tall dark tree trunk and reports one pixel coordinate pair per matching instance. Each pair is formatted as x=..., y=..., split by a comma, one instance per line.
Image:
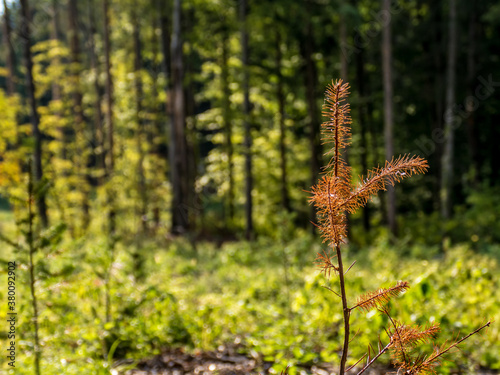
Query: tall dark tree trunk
x=360, y=80
x=30, y=88
x=165, y=48
x=227, y=123
x=55, y=35
x=178, y=144
x=157, y=140
x=447, y=157
x=81, y=154
x=438, y=97
x=141, y=183
x=285, y=198
x=388, y=113
x=98, y=132
x=470, y=105
x=109, y=131
x=98, y=127
x=345, y=78
x=311, y=78
x=11, y=57
x=343, y=42
x=246, y=121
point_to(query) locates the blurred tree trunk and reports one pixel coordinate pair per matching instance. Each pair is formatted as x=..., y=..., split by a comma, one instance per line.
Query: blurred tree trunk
x=109, y=131
x=438, y=97
x=360, y=80
x=163, y=22
x=285, y=199
x=227, y=121
x=388, y=113
x=11, y=57
x=35, y=121
x=81, y=153
x=447, y=157
x=344, y=75
x=246, y=120
x=98, y=128
x=55, y=35
x=471, y=85
x=311, y=78
x=178, y=144
x=141, y=179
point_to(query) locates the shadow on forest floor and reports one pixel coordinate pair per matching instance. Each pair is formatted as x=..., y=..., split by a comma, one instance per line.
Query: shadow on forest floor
x=225, y=361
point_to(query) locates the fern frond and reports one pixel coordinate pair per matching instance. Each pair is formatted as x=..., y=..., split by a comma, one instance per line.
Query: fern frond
x=378, y=179
x=380, y=297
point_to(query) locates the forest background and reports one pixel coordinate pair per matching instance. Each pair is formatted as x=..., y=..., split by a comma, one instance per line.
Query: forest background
x=172, y=145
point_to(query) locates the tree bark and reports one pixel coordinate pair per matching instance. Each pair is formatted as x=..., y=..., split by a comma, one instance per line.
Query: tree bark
x=471, y=75
x=141, y=180
x=246, y=121
x=447, y=158
x=226, y=114
x=30, y=88
x=98, y=127
x=360, y=79
x=285, y=199
x=311, y=78
x=178, y=144
x=11, y=57
x=109, y=131
x=81, y=154
x=388, y=113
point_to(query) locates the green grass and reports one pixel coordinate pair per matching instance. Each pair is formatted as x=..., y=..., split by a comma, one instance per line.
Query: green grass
x=206, y=296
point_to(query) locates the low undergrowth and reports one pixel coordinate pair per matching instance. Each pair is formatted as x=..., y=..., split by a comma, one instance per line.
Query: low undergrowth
x=266, y=297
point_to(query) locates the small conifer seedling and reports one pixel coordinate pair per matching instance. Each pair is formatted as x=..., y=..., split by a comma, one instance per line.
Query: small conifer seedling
x=334, y=196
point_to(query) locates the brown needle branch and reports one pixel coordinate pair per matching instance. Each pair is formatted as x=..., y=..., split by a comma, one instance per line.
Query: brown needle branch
x=384, y=349
x=380, y=297
x=439, y=353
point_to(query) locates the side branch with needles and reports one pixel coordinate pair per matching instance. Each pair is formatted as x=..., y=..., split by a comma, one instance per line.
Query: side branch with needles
x=334, y=196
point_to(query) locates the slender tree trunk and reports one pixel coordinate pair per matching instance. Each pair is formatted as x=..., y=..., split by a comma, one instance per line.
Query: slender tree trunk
x=345, y=78
x=178, y=145
x=246, y=121
x=447, y=157
x=343, y=42
x=157, y=141
x=141, y=183
x=360, y=78
x=388, y=113
x=37, y=136
x=81, y=154
x=98, y=126
x=471, y=75
x=109, y=131
x=226, y=113
x=165, y=63
x=31, y=266
x=11, y=57
x=311, y=78
x=55, y=35
x=438, y=97
x=285, y=199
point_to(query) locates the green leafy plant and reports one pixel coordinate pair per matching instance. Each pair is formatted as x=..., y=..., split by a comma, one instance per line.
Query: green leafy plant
x=334, y=197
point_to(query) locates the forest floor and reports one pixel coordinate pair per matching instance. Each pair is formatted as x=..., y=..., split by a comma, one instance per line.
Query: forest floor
x=224, y=361
x=227, y=361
